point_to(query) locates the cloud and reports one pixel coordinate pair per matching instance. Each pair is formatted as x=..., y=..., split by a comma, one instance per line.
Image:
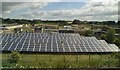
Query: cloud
x=31, y=0
x=8, y=7
x=20, y=9
x=92, y=10
x=102, y=9
x=43, y=0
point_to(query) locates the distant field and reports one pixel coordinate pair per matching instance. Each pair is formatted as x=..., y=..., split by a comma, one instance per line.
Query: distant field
x=62, y=61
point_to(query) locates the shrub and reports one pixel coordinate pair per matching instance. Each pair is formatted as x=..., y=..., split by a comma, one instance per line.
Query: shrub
x=14, y=57
x=110, y=36
x=103, y=37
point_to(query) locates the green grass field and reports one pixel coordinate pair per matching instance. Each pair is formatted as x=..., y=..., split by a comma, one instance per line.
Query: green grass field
x=62, y=61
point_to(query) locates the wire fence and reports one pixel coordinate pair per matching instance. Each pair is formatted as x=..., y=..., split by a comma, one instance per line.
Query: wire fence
x=62, y=61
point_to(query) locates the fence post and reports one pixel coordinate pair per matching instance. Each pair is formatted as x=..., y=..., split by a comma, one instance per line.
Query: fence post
x=89, y=60
x=89, y=56
x=101, y=58
x=64, y=60
x=36, y=57
x=50, y=57
x=77, y=59
x=64, y=57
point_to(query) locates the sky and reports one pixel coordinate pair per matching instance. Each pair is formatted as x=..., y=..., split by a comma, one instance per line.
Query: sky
x=85, y=10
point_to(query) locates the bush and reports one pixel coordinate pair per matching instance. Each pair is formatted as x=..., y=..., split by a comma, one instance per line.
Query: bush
x=89, y=33
x=103, y=37
x=14, y=57
x=110, y=36
x=117, y=42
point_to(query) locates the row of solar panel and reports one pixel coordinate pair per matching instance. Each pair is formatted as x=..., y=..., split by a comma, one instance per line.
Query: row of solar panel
x=47, y=48
x=51, y=40
x=72, y=43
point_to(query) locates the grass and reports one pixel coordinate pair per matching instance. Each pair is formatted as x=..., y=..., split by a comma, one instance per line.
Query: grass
x=61, y=61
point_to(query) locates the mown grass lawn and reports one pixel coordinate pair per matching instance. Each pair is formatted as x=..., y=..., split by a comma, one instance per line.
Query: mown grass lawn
x=62, y=61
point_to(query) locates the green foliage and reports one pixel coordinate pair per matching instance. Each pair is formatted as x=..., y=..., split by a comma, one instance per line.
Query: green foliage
x=89, y=33
x=76, y=22
x=6, y=64
x=110, y=36
x=103, y=37
x=115, y=55
x=93, y=63
x=117, y=42
x=14, y=57
x=58, y=61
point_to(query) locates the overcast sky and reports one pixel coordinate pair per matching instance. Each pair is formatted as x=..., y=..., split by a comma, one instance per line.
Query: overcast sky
x=61, y=9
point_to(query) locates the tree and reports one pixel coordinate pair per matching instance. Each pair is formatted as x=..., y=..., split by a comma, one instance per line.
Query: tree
x=117, y=42
x=14, y=57
x=118, y=23
x=76, y=22
x=103, y=37
x=110, y=36
x=89, y=33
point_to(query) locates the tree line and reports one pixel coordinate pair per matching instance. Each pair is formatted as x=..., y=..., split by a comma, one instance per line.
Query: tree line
x=75, y=21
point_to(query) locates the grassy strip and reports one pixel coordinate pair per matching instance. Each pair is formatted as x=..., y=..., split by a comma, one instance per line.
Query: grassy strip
x=61, y=61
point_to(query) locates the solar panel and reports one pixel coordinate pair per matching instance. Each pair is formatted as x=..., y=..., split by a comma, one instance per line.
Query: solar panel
x=54, y=42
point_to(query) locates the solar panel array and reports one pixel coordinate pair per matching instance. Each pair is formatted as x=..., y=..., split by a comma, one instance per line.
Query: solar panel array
x=54, y=42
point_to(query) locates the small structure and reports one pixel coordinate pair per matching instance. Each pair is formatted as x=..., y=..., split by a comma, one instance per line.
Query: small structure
x=37, y=29
x=17, y=30
x=66, y=29
x=14, y=26
x=117, y=30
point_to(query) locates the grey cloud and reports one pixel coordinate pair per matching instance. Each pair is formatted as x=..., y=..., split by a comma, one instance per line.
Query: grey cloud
x=98, y=4
x=8, y=5
x=100, y=11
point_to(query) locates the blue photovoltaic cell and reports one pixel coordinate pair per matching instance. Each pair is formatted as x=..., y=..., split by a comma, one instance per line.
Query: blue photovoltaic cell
x=54, y=42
